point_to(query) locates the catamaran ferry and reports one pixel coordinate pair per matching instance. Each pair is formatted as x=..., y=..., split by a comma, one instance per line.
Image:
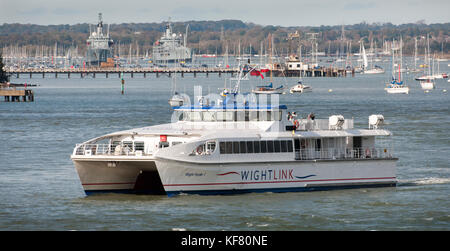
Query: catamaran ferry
x=233, y=144
x=225, y=149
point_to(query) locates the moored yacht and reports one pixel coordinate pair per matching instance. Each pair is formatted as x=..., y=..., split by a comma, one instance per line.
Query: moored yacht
x=269, y=89
x=397, y=85
x=300, y=88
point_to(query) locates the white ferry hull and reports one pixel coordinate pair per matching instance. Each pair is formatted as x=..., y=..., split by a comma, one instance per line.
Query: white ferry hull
x=181, y=177
x=119, y=176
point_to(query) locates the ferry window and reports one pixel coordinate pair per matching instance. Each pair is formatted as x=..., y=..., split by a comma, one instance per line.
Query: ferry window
x=185, y=116
x=240, y=116
x=163, y=144
x=256, y=147
x=222, y=148
x=263, y=146
x=249, y=146
x=318, y=144
x=128, y=144
x=139, y=146
x=225, y=116
x=253, y=116
x=270, y=146
x=264, y=115
x=236, y=147
x=276, y=115
x=114, y=144
x=243, y=146
x=196, y=116
x=209, y=116
x=276, y=145
x=269, y=116
x=283, y=146
x=210, y=147
x=247, y=116
x=289, y=146
x=229, y=147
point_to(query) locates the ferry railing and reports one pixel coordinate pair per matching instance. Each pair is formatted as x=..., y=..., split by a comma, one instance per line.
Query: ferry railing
x=106, y=149
x=320, y=124
x=344, y=153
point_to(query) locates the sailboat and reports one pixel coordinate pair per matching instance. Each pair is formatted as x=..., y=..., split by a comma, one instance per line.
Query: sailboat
x=397, y=86
x=375, y=70
x=176, y=99
x=300, y=87
x=269, y=89
x=427, y=82
x=415, y=69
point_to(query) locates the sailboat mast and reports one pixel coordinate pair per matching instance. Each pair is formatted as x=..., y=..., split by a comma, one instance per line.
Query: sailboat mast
x=270, y=57
x=401, y=61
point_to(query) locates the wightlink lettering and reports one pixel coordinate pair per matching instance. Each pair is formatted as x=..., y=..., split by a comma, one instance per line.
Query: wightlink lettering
x=270, y=174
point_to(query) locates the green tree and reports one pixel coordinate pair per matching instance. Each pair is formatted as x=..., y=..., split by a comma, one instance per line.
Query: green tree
x=3, y=75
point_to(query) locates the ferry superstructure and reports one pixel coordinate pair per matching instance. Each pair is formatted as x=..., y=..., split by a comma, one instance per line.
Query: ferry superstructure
x=235, y=146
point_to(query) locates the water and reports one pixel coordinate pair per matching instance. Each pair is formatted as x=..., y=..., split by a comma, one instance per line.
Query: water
x=40, y=190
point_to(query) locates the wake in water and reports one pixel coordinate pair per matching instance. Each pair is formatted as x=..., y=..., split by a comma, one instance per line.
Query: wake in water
x=423, y=181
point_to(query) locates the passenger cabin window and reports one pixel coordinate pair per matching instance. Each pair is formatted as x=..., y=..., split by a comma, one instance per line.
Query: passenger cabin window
x=163, y=144
x=233, y=115
x=139, y=145
x=263, y=146
x=206, y=148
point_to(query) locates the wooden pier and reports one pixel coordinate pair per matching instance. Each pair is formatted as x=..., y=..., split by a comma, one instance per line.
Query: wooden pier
x=158, y=71
x=14, y=95
x=93, y=72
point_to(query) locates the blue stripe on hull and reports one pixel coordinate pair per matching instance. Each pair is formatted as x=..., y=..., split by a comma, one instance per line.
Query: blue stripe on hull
x=278, y=190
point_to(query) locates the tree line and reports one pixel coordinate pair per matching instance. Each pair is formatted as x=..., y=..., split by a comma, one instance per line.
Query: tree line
x=232, y=36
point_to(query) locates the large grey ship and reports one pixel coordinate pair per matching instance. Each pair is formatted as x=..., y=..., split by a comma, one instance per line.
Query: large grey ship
x=170, y=48
x=99, y=45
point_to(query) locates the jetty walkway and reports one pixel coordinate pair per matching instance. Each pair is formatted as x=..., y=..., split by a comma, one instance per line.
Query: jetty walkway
x=158, y=71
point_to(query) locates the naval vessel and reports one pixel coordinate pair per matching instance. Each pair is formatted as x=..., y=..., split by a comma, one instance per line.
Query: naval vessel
x=99, y=45
x=171, y=47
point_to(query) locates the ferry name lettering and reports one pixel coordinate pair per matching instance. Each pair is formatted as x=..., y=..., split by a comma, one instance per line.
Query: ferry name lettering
x=270, y=174
x=194, y=174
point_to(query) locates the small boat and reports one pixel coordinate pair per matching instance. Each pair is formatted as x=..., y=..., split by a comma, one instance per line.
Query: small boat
x=427, y=81
x=427, y=84
x=375, y=70
x=176, y=100
x=300, y=88
x=424, y=78
x=269, y=89
x=396, y=87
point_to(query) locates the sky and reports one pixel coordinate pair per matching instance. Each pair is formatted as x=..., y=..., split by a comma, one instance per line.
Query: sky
x=274, y=12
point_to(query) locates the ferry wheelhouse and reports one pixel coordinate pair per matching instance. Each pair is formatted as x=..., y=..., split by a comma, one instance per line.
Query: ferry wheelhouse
x=236, y=146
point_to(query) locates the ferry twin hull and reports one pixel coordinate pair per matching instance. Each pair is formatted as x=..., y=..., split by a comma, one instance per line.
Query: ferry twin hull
x=182, y=177
x=124, y=176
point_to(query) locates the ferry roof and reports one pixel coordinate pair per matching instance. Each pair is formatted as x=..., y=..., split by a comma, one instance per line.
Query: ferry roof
x=231, y=107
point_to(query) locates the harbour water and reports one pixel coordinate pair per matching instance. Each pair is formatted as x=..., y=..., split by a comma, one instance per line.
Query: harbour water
x=40, y=189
